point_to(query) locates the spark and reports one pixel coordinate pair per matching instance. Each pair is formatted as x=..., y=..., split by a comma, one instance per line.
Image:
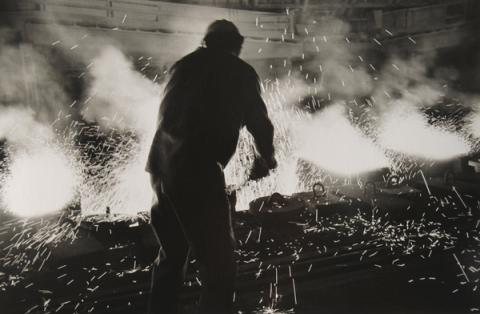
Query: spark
x=294, y=291
x=461, y=267
x=425, y=181
x=459, y=197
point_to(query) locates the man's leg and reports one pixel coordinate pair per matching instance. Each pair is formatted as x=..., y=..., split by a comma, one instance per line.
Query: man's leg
x=203, y=210
x=216, y=255
x=170, y=266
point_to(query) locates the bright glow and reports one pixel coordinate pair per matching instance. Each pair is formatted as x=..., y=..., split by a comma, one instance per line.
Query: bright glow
x=39, y=182
x=124, y=186
x=331, y=142
x=404, y=129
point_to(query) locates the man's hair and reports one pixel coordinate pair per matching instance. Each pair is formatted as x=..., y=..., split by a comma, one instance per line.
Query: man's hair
x=223, y=35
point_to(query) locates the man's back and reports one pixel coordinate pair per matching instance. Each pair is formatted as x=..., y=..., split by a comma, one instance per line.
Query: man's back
x=210, y=96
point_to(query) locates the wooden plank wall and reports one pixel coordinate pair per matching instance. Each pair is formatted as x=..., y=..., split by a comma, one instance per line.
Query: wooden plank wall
x=165, y=16
x=424, y=19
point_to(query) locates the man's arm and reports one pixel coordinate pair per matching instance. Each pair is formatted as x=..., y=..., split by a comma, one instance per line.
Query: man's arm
x=261, y=128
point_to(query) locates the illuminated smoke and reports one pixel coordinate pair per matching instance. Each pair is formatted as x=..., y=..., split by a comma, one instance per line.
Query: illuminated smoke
x=332, y=143
x=40, y=177
x=30, y=80
x=406, y=81
x=123, y=100
x=39, y=182
x=340, y=71
x=20, y=128
x=404, y=129
x=120, y=97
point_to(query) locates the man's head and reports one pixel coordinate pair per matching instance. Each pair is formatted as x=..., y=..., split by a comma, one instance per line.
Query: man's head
x=223, y=35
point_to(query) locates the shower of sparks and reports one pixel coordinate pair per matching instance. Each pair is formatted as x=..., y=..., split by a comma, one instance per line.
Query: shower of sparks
x=122, y=184
x=283, y=179
x=271, y=310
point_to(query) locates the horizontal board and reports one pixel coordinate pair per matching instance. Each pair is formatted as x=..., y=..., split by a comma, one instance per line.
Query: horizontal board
x=125, y=17
x=134, y=8
x=68, y=10
x=200, y=8
x=78, y=3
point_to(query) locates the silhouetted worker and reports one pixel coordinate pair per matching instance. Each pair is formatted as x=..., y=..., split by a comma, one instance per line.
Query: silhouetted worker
x=210, y=96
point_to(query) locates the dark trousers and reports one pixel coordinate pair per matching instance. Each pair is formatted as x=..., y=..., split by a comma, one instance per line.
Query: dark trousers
x=192, y=214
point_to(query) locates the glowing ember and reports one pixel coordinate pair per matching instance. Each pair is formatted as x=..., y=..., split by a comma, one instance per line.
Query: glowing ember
x=331, y=142
x=39, y=182
x=404, y=129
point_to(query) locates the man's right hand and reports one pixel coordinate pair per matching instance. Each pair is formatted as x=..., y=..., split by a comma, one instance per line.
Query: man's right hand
x=261, y=168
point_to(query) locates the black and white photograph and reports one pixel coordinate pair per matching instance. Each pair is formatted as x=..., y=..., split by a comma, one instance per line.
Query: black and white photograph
x=239, y=156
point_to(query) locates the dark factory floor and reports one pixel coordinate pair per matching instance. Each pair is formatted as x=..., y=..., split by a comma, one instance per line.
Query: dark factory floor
x=410, y=250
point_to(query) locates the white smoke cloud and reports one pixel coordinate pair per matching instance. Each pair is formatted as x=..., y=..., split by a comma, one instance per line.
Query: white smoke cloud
x=341, y=72
x=31, y=96
x=406, y=80
x=332, y=143
x=29, y=80
x=404, y=129
x=20, y=128
x=121, y=97
x=40, y=176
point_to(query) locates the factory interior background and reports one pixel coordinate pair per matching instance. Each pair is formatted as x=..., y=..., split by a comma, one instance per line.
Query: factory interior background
x=374, y=206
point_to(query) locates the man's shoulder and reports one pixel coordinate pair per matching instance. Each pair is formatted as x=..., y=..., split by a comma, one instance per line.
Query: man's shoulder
x=240, y=63
x=202, y=55
x=244, y=68
x=191, y=57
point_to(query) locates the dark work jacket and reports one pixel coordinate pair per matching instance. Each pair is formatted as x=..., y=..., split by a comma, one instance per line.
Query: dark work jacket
x=210, y=96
